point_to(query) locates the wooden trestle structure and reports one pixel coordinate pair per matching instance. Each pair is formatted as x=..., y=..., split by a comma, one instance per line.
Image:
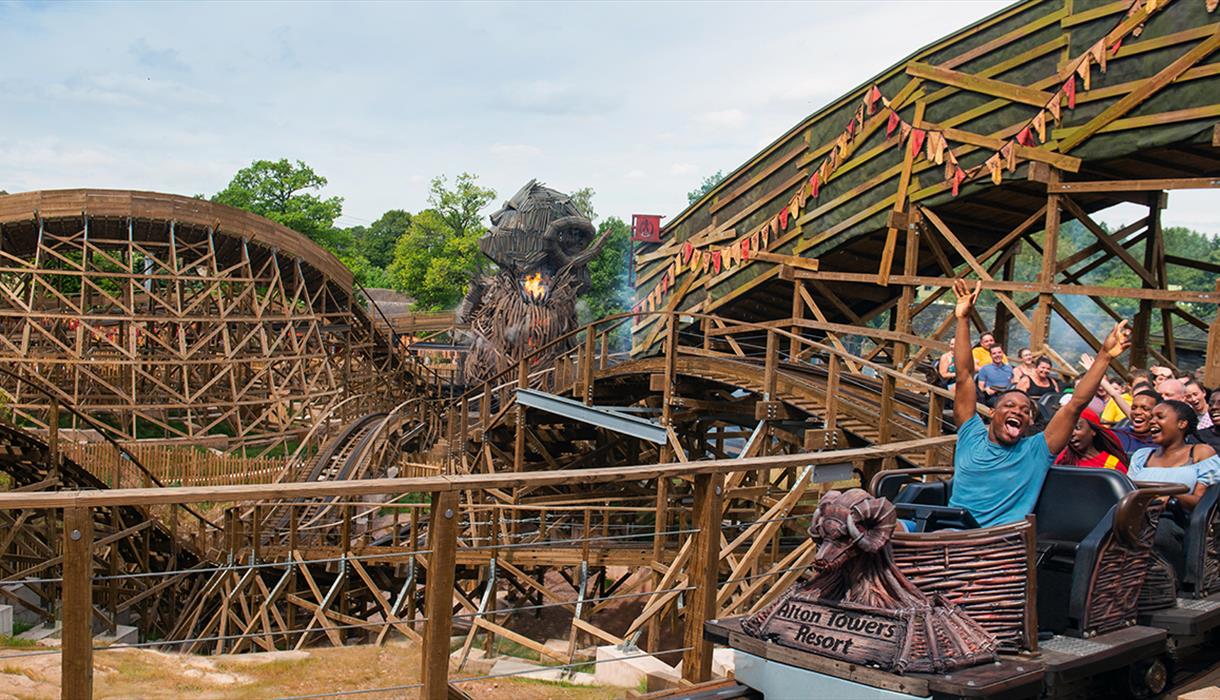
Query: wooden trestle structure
x=635, y=494
x=176, y=319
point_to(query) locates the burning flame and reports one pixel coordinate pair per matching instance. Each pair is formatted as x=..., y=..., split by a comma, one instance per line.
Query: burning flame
x=534, y=287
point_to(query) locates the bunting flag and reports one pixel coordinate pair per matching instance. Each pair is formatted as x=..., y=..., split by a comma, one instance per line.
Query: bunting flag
x=1211, y=6
x=1039, y=123
x=870, y=100
x=936, y=147
x=1082, y=69
x=1009, y=154
x=993, y=167
x=1098, y=54
x=959, y=175
x=929, y=144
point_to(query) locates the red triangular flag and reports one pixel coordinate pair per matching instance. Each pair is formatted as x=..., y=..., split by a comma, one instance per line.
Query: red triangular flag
x=1025, y=137
x=745, y=248
x=815, y=184
x=687, y=251
x=1069, y=89
x=716, y=262
x=871, y=98
x=891, y=124
x=851, y=127
x=959, y=176
x=917, y=137
x=783, y=219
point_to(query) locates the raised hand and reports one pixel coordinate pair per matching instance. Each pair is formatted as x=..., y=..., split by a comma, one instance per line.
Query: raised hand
x=1118, y=341
x=965, y=297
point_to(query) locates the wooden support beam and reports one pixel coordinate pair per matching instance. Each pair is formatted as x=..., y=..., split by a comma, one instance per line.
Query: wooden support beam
x=1108, y=241
x=705, y=562
x=438, y=596
x=1039, y=333
x=900, y=202
x=1142, y=92
x=1212, y=361
x=1176, y=183
x=78, y=604
x=979, y=84
x=1069, y=164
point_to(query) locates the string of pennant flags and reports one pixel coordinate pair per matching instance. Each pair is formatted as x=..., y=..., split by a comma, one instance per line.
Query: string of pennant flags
x=929, y=144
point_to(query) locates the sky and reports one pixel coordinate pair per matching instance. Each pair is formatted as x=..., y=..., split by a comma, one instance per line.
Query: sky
x=639, y=101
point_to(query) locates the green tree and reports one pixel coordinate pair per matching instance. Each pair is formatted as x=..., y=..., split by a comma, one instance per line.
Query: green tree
x=433, y=265
x=582, y=199
x=609, y=293
x=284, y=192
x=709, y=183
x=435, y=259
x=376, y=241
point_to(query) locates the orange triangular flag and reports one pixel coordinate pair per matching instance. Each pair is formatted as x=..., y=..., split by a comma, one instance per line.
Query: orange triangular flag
x=1082, y=69
x=793, y=208
x=1040, y=125
x=993, y=166
x=936, y=147
x=765, y=235
x=1054, y=106
x=825, y=170
x=1098, y=52
x=815, y=184
x=904, y=130
x=1211, y=5
x=1009, y=154
x=950, y=164
x=755, y=240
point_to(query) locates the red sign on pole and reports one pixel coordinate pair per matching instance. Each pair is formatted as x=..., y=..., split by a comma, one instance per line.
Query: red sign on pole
x=646, y=228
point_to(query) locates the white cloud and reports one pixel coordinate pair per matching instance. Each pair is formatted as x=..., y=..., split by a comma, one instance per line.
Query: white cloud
x=636, y=174
x=515, y=150
x=682, y=169
x=725, y=118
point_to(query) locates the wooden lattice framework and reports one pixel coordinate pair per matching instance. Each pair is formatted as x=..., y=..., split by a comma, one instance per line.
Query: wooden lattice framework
x=177, y=319
x=883, y=221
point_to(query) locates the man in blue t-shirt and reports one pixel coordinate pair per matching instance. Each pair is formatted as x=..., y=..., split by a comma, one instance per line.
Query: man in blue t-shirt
x=998, y=469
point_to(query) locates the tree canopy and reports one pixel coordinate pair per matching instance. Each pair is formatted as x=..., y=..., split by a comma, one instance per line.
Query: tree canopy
x=436, y=257
x=709, y=183
x=283, y=192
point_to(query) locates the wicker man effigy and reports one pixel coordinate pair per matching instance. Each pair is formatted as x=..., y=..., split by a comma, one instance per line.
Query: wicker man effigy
x=542, y=245
x=860, y=608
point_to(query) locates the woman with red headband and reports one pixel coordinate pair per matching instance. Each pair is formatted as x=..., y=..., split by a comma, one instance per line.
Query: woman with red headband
x=1093, y=445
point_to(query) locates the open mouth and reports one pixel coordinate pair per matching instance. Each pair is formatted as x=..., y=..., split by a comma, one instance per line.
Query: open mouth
x=1012, y=427
x=1154, y=432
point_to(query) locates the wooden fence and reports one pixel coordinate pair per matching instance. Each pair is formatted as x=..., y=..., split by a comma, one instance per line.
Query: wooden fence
x=174, y=466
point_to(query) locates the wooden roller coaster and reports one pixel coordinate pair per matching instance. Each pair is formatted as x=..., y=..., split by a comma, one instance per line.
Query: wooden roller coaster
x=659, y=469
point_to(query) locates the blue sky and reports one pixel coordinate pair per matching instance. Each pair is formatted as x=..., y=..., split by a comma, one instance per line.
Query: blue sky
x=638, y=100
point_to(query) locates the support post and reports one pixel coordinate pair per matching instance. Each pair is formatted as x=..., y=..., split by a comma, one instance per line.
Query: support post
x=438, y=596
x=78, y=604
x=1040, y=333
x=704, y=566
x=1212, y=360
x=523, y=382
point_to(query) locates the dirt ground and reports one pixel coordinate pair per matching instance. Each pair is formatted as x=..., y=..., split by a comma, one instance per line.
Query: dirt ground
x=144, y=674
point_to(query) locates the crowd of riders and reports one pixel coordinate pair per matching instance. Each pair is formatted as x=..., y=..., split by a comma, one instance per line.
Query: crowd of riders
x=1157, y=428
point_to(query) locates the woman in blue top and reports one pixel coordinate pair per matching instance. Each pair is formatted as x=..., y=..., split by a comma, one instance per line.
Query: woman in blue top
x=1173, y=461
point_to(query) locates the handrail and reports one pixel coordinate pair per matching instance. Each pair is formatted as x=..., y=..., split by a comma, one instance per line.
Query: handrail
x=457, y=482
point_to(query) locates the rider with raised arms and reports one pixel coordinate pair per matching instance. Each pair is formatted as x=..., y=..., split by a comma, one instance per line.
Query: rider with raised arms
x=999, y=468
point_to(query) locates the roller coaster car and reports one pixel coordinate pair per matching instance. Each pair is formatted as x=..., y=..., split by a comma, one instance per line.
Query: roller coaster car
x=1183, y=596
